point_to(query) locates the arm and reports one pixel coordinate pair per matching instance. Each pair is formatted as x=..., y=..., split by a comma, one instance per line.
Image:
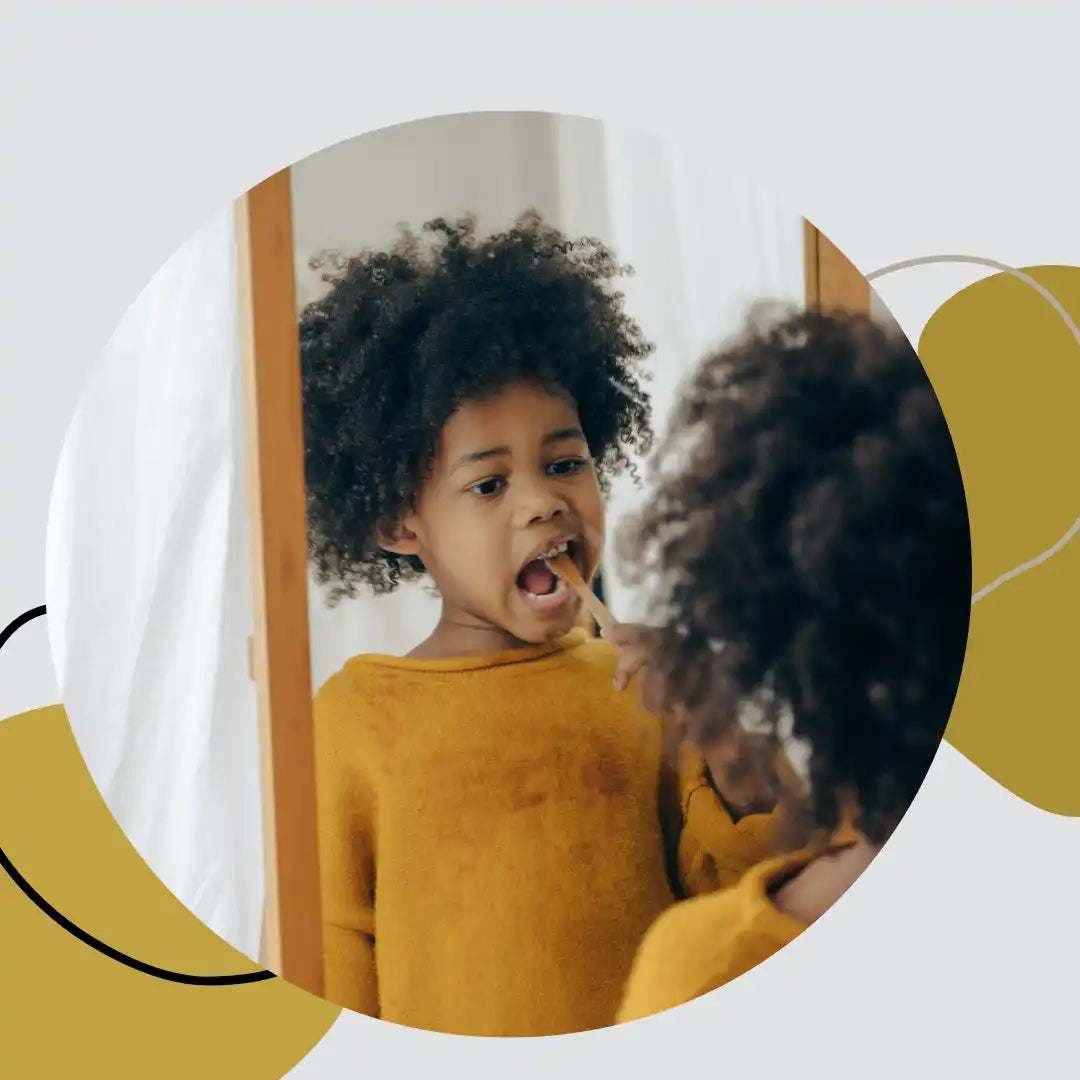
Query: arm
x=713, y=848
x=708, y=846
x=346, y=860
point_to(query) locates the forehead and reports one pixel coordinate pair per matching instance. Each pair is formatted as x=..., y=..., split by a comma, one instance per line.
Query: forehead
x=516, y=416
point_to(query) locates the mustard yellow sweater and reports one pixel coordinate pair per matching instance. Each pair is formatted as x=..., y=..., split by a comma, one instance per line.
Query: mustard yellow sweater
x=494, y=838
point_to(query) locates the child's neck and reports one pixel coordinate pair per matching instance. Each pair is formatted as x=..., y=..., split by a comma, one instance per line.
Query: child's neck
x=819, y=884
x=460, y=634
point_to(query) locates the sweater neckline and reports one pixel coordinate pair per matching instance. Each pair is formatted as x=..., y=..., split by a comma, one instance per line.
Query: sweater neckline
x=573, y=639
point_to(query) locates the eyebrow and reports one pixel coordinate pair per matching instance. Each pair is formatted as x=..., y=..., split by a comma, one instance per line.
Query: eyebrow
x=562, y=435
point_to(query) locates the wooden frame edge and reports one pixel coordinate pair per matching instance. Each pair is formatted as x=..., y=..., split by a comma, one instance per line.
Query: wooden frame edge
x=280, y=653
x=833, y=283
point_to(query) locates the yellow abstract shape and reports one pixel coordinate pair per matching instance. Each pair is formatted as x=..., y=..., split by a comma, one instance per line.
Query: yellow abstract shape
x=64, y=1005
x=1006, y=369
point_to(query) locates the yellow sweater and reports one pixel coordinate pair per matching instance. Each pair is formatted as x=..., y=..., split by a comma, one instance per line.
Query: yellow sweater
x=492, y=838
x=701, y=944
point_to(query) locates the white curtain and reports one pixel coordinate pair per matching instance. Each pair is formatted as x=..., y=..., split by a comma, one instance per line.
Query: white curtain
x=705, y=244
x=148, y=580
x=148, y=589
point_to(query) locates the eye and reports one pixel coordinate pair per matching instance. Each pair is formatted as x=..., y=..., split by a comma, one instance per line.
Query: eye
x=489, y=487
x=566, y=466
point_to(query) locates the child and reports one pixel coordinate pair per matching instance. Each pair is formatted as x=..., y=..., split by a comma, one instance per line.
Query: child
x=820, y=590
x=492, y=841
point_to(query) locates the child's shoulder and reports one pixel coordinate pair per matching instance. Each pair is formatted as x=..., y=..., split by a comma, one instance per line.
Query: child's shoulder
x=355, y=677
x=589, y=664
x=700, y=944
x=589, y=656
x=359, y=685
x=590, y=651
x=683, y=955
x=585, y=684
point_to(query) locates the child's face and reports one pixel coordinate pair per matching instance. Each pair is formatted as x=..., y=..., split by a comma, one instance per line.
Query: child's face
x=512, y=480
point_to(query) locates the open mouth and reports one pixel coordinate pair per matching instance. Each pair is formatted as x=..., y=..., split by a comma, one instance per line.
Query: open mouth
x=541, y=586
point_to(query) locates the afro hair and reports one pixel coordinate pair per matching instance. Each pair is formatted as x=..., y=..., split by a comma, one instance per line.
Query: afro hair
x=809, y=536
x=405, y=336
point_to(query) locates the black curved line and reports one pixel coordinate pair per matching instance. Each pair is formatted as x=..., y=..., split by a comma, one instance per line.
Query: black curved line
x=77, y=931
x=27, y=616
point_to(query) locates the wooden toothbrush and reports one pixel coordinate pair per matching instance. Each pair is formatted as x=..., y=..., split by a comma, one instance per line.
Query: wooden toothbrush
x=563, y=565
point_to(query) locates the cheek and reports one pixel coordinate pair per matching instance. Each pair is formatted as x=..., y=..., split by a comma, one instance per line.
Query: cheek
x=473, y=543
x=590, y=509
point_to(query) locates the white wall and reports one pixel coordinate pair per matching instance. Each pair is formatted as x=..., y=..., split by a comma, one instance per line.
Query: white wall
x=355, y=194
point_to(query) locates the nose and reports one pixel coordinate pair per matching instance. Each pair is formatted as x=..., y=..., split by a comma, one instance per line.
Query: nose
x=540, y=502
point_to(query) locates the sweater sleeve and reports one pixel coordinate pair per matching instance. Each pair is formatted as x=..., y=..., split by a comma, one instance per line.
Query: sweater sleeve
x=711, y=850
x=346, y=857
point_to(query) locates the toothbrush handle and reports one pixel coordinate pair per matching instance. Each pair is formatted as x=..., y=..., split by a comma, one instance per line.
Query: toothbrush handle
x=565, y=568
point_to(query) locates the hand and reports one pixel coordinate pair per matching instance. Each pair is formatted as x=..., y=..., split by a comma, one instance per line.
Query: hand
x=637, y=648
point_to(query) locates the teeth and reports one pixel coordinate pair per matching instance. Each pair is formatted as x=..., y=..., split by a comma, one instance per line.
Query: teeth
x=559, y=586
x=558, y=549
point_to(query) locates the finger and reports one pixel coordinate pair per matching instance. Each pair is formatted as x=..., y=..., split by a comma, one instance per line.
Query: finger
x=627, y=664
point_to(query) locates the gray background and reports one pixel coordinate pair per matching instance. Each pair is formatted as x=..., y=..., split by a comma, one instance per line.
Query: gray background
x=894, y=129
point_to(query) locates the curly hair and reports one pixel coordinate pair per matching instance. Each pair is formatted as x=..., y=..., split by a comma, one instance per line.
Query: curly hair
x=811, y=540
x=405, y=336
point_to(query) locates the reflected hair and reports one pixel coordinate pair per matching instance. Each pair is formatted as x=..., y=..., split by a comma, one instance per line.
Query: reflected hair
x=809, y=544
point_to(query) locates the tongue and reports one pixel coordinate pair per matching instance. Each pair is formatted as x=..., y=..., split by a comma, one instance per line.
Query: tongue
x=537, y=578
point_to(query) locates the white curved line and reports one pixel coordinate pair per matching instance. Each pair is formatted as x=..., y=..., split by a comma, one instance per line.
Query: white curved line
x=1055, y=303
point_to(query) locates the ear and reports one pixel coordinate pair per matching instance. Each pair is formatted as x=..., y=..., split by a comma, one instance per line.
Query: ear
x=401, y=538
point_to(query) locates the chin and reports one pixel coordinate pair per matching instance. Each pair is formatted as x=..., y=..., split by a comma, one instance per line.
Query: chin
x=547, y=632
x=539, y=635
x=562, y=627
